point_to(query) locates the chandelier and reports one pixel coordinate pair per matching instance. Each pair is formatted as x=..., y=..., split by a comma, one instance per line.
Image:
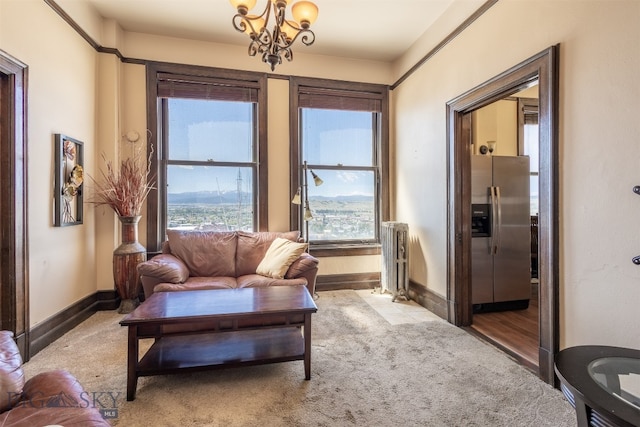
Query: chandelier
x=276, y=43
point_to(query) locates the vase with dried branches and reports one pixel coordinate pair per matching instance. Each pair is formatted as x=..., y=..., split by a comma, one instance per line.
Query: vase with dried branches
x=125, y=190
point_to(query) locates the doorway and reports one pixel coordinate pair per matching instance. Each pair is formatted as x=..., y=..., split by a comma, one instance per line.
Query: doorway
x=504, y=137
x=13, y=201
x=542, y=68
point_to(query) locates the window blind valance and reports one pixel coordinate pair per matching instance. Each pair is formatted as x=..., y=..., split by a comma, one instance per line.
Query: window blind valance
x=176, y=86
x=530, y=111
x=530, y=114
x=339, y=99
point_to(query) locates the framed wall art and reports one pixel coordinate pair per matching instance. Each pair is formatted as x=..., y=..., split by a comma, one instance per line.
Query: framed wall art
x=69, y=176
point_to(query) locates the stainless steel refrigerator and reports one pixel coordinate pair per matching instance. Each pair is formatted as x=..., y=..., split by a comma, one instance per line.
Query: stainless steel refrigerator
x=501, y=232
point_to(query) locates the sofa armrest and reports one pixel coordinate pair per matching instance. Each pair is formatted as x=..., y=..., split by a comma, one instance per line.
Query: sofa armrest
x=305, y=266
x=51, y=384
x=304, y=263
x=166, y=267
x=54, y=397
x=163, y=268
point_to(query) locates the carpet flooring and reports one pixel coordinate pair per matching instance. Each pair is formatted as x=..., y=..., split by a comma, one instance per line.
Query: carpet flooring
x=365, y=371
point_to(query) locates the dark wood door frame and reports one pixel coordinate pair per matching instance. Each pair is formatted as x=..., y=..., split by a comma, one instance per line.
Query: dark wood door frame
x=14, y=264
x=542, y=68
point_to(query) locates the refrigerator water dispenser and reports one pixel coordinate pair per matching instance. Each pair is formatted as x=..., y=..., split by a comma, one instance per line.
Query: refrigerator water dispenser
x=480, y=220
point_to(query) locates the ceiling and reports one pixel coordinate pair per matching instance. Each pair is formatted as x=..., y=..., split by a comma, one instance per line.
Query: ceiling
x=379, y=30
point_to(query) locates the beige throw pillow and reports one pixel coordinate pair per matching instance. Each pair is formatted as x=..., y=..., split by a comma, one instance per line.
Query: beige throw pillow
x=279, y=257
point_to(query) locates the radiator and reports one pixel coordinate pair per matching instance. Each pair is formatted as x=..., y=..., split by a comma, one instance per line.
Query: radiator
x=394, y=277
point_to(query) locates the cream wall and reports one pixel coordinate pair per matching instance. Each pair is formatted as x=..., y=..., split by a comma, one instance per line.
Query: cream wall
x=497, y=122
x=599, y=158
x=62, y=80
x=156, y=48
x=278, y=154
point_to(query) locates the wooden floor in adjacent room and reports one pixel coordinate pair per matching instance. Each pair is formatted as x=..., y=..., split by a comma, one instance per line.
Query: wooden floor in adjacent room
x=515, y=332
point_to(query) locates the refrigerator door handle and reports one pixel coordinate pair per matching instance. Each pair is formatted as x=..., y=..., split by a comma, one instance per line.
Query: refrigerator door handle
x=499, y=220
x=494, y=225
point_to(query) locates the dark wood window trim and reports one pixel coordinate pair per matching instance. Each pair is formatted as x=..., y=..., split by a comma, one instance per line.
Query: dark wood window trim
x=13, y=203
x=347, y=95
x=256, y=82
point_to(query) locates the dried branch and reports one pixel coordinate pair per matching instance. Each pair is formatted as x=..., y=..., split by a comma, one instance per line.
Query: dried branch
x=124, y=190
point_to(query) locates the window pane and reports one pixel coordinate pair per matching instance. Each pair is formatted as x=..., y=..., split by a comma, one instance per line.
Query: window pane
x=203, y=130
x=210, y=198
x=531, y=145
x=332, y=137
x=343, y=207
x=533, y=188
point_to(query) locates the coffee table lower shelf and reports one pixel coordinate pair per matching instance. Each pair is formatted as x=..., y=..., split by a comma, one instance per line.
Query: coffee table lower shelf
x=183, y=353
x=171, y=354
x=270, y=325
x=197, y=352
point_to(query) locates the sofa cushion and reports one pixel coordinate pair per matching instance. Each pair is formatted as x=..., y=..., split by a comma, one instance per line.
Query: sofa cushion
x=253, y=246
x=279, y=257
x=11, y=373
x=258, y=281
x=206, y=253
x=198, y=283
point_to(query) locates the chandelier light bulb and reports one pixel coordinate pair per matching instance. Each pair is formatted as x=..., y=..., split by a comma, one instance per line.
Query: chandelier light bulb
x=289, y=29
x=305, y=13
x=256, y=22
x=243, y=6
x=280, y=3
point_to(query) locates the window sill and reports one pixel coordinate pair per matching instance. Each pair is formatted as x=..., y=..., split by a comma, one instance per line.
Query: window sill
x=330, y=250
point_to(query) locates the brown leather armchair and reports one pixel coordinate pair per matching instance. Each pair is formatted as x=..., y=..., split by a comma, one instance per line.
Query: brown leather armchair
x=49, y=398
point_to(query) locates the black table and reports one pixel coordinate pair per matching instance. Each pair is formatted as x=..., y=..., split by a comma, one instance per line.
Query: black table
x=602, y=383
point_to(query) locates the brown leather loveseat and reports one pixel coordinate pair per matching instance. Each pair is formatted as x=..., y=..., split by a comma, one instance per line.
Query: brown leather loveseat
x=49, y=398
x=193, y=260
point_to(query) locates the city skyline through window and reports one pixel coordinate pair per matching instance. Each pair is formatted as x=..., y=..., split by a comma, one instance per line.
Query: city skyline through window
x=210, y=165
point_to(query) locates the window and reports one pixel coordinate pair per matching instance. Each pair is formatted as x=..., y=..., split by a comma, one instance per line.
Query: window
x=529, y=143
x=209, y=151
x=209, y=157
x=341, y=135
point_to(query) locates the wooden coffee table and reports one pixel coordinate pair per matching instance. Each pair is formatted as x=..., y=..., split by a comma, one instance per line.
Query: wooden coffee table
x=196, y=330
